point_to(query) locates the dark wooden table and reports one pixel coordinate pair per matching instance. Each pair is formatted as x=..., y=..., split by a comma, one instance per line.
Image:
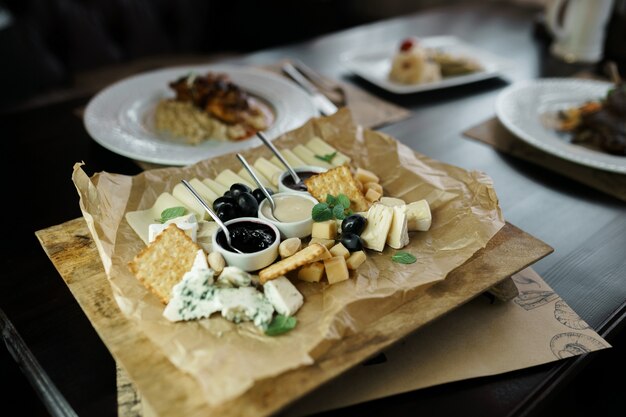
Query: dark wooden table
x=72, y=371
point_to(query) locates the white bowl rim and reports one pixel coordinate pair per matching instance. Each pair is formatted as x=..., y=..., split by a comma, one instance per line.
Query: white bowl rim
x=253, y=219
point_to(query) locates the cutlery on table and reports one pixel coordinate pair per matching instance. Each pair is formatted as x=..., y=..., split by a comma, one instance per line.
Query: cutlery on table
x=323, y=104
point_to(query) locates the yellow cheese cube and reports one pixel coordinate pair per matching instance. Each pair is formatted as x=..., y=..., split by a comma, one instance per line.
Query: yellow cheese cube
x=340, y=250
x=365, y=176
x=336, y=269
x=375, y=186
x=355, y=260
x=327, y=243
x=324, y=230
x=312, y=272
x=372, y=195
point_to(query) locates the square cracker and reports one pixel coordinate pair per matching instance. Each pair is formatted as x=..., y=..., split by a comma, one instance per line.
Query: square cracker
x=336, y=181
x=162, y=264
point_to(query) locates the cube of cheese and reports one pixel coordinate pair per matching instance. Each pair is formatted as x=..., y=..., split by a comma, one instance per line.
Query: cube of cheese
x=336, y=269
x=391, y=201
x=419, y=217
x=283, y=295
x=327, y=243
x=372, y=195
x=324, y=230
x=364, y=176
x=355, y=260
x=398, y=236
x=379, y=218
x=340, y=250
x=375, y=186
x=312, y=272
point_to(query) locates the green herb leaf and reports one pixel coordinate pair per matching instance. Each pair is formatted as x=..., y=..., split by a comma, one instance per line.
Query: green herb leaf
x=321, y=212
x=172, y=213
x=343, y=200
x=331, y=200
x=281, y=324
x=349, y=212
x=403, y=258
x=338, y=212
x=327, y=158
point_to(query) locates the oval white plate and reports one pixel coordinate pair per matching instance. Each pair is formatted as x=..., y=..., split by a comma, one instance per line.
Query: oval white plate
x=120, y=117
x=520, y=108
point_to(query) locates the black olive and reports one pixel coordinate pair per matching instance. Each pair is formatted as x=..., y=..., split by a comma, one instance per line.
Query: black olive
x=258, y=194
x=354, y=223
x=237, y=189
x=228, y=194
x=351, y=241
x=221, y=200
x=227, y=211
x=248, y=206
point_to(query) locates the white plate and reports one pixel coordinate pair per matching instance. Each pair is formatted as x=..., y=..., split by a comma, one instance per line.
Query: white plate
x=521, y=106
x=374, y=63
x=120, y=117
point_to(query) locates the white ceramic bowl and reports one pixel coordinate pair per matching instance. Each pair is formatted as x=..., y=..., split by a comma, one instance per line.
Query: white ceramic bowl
x=300, y=228
x=249, y=261
x=282, y=188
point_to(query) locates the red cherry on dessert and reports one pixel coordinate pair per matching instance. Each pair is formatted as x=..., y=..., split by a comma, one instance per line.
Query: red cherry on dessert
x=407, y=44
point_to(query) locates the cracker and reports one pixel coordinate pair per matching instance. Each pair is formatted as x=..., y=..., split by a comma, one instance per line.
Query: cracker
x=302, y=257
x=337, y=181
x=162, y=264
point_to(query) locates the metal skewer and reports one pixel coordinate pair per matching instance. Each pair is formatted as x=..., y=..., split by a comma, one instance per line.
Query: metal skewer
x=258, y=182
x=269, y=144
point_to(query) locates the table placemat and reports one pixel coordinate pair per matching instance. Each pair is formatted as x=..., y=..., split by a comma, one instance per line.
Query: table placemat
x=493, y=133
x=537, y=327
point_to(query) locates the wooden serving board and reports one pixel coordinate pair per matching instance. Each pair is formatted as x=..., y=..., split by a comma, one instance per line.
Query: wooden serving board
x=170, y=392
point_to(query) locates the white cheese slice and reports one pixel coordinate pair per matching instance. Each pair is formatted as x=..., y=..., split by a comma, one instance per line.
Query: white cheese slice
x=391, y=201
x=321, y=148
x=206, y=230
x=141, y=220
x=398, y=236
x=234, y=276
x=283, y=295
x=309, y=158
x=419, y=216
x=183, y=194
x=243, y=173
x=269, y=170
x=379, y=219
x=217, y=188
x=186, y=223
x=291, y=158
x=205, y=192
x=228, y=177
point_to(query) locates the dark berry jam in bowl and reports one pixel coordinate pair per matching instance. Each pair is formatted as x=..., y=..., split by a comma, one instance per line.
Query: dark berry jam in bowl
x=257, y=238
x=287, y=184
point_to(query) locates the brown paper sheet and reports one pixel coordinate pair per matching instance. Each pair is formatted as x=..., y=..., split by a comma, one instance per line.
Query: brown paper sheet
x=493, y=133
x=226, y=359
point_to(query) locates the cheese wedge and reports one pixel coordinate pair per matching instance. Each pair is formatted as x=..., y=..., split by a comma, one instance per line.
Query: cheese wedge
x=268, y=170
x=141, y=220
x=243, y=173
x=217, y=188
x=391, y=201
x=183, y=194
x=205, y=192
x=321, y=148
x=379, y=218
x=398, y=236
x=228, y=178
x=308, y=156
x=419, y=216
x=291, y=158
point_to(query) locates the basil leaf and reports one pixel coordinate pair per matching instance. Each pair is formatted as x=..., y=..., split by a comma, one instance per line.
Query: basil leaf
x=331, y=200
x=327, y=158
x=281, y=324
x=403, y=258
x=343, y=200
x=172, y=213
x=338, y=212
x=321, y=212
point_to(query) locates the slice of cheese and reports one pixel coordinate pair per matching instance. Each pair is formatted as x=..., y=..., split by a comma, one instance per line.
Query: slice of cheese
x=186, y=223
x=243, y=173
x=379, y=218
x=419, y=216
x=398, y=236
x=205, y=192
x=283, y=295
x=340, y=250
x=355, y=260
x=364, y=176
x=228, y=177
x=183, y=194
x=141, y=220
x=269, y=170
x=308, y=156
x=391, y=201
x=336, y=269
x=321, y=148
x=312, y=272
x=324, y=230
x=206, y=230
x=217, y=188
x=291, y=158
